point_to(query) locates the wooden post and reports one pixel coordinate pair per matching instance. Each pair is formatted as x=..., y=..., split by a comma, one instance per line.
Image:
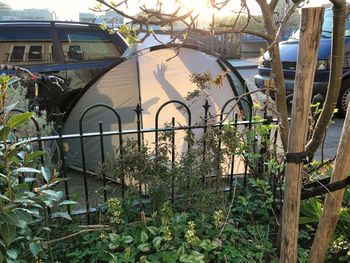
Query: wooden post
x=310, y=29
x=332, y=204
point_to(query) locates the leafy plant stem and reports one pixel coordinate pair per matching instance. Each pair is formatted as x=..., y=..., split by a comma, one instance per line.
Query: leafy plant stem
x=48, y=234
x=230, y=208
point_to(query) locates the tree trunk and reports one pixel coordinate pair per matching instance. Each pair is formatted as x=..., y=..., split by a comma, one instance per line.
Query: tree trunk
x=281, y=101
x=332, y=204
x=335, y=78
x=310, y=29
x=276, y=69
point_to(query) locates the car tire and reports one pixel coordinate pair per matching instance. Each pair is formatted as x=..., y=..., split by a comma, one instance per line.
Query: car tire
x=344, y=97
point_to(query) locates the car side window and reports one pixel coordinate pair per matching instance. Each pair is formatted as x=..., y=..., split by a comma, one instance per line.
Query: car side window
x=87, y=45
x=25, y=47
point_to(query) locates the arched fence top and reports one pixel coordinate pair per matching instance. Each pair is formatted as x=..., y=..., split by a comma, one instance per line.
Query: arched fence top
x=237, y=99
x=173, y=102
x=99, y=105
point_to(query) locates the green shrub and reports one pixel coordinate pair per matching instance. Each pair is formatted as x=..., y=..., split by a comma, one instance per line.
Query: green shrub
x=25, y=187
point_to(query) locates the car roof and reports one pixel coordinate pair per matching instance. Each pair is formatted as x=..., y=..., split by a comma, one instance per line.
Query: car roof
x=36, y=23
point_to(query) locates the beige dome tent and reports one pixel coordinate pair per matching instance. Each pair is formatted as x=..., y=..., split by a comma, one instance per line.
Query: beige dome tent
x=149, y=78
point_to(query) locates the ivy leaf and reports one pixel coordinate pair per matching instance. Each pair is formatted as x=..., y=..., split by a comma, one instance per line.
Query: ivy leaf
x=152, y=230
x=128, y=239
x=144, y=247
x=156, y=241
x=143, y=237
x=19, y=119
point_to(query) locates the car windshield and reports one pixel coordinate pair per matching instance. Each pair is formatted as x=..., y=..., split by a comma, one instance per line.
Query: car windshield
x=327, y=26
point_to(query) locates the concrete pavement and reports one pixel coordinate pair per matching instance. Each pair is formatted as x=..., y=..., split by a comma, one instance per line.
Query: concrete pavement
x=244, y=63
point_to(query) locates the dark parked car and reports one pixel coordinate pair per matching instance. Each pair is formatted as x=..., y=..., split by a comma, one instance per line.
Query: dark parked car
x=75, y=52
x=289, y=55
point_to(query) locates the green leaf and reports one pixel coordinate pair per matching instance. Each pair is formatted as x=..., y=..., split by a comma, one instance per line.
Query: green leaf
x=24, y=215
x=46, y=174
x=114, y=238
x=34, y=248
x=114, y=258
x=8, y=233
x=144, y=236
x=153, y=230
x=62, y=215
x=13, y=80
x=127, y=253
x=4, y=197
x=33, y=156
x=128, y=239
x=310, y=211
x=1, y=257
x=26, y=170
x=181, y=250
x=4, y=132
x=12, y=253
x=10, y=218
x=144, y=247
x=68, y=202
x=156, y=241
x=19, y=119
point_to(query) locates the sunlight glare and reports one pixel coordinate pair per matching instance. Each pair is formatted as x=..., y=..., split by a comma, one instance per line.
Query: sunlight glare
x=198, y=6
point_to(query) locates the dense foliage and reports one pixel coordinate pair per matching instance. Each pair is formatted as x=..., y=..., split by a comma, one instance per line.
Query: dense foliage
x=26, y=193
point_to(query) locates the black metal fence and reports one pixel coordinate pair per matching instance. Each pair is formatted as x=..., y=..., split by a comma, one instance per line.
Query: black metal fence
x=227, y=116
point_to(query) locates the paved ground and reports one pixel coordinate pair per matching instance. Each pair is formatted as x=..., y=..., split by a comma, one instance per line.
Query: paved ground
x=248, y=69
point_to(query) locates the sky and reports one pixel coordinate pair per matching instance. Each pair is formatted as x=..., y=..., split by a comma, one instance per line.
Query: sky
x=69, y=9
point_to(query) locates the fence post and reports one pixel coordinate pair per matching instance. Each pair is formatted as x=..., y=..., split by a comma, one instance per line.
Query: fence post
x=100, y=127
x=310, y=28
x=138, y=111
x=206, y=107
x=173, y=153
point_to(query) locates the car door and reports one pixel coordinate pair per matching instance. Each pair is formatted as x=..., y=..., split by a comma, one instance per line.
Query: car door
x=32, y=46
x=87, y=50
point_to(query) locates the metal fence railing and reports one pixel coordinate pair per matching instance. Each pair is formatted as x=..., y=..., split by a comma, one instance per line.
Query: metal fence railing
x=87, y=181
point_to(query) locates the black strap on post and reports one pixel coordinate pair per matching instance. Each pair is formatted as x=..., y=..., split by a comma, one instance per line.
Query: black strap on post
x=300, y=157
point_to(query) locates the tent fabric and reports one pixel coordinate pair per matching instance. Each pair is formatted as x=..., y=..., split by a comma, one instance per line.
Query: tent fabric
x=117, y=88
x=149, y=78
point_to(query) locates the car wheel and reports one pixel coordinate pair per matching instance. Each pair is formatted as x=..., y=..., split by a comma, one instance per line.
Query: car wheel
x=344, y=97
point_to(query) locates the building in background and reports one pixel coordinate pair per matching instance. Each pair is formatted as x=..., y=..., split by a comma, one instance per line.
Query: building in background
x=110, y=18
x=32, y=14
x=87, y=17
x=6, y=13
